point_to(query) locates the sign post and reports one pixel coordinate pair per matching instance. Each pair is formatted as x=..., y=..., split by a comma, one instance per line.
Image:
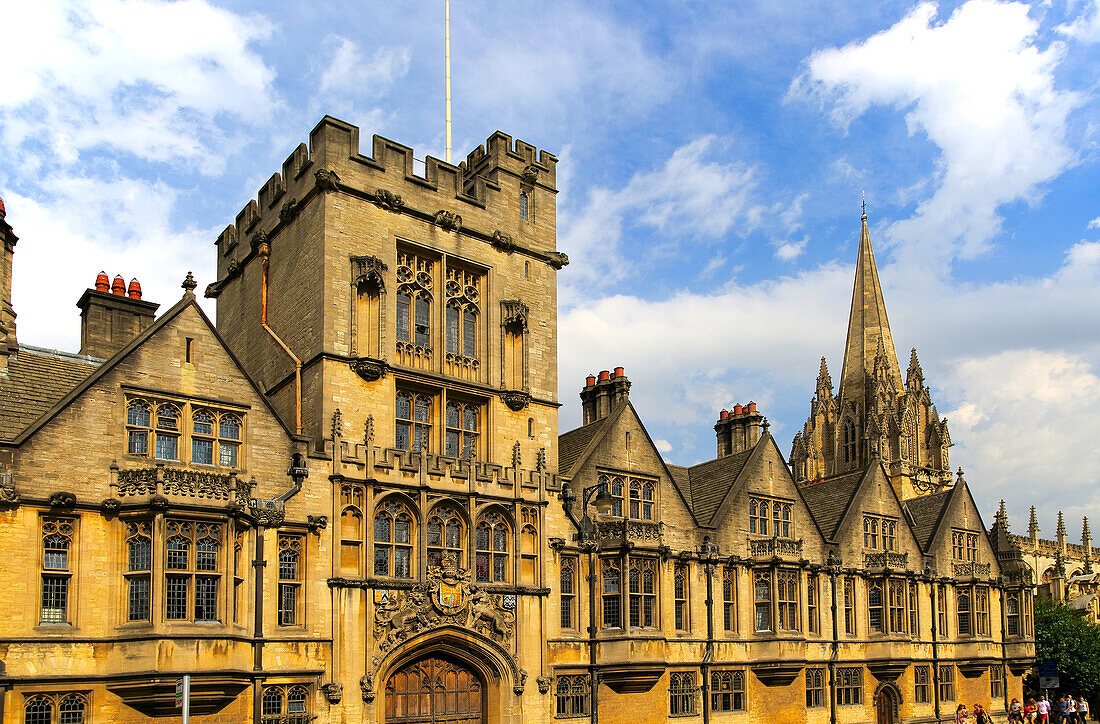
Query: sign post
x=183, y=696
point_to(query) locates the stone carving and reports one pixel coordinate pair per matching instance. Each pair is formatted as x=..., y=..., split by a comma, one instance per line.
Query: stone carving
x=886, y=559
x=366, y=687
x=557, y=259
x=448, y=221
x=503, y=242
x=517, y=459
x=62, y=500
x=288, y=210
x=368, y=269
x=110, y=506
x=540, y=460
x=513, y=312
x=369, y=369
x=368, y=431
x=158, y=502
x=267, y=513
x=515, y=400
x=189, y=283
x=447, y=597
x=776, y=547
x=232, y=268
x=544, y=683
x=973, y=569
x=388, y=200
x=177, y=481
x=333, y=692
x=316, y=523
x=530, y=173
x=488, y=618
x=8, y=496
x=337, y=425
x=326, y=180
x=258, y=239
x=520, y=683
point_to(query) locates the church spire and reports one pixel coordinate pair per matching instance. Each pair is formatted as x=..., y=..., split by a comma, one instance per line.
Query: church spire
x=868, y=327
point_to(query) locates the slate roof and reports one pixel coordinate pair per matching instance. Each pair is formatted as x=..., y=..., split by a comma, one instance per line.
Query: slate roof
x=572, y=444
x=681, y=479
x=708, y=483
x=926, y=512
x=37, y=378
x=829, y=498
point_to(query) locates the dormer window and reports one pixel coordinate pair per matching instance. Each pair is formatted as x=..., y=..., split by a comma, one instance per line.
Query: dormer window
x=767, y=514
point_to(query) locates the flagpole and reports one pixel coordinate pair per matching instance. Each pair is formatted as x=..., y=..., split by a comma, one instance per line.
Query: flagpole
x=447, y=25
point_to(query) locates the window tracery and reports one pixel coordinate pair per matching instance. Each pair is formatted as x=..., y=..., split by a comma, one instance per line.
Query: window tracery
x=445, y=536
x=290, y=580
x=462, y=430
x=643, y=592
x=285, y=705
x=415, y=281
x=393, y=540
x=491, y=538
x=192, y=581
x=139, y=568
x=727, y=691
x=414, y=421
x=351, y=528
x=463, y=290
x=58, y=535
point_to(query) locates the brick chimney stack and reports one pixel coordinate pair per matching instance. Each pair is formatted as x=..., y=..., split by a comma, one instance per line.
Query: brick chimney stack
x=738, y=429
x=601, y=394
x=112, y=314
x=8, y=343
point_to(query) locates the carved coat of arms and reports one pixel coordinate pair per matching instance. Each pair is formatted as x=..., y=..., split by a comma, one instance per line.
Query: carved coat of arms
x=451, y=585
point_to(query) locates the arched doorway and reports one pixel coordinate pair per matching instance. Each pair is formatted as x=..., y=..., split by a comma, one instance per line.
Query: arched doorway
x=434, y=689
x=886, y=706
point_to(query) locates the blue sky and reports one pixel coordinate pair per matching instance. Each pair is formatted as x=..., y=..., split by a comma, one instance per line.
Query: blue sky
x=712, y=161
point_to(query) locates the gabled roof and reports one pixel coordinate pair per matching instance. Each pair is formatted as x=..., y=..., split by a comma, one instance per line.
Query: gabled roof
x=830, y=499
x=36, y=379
x=710, y=482
x=188, y=300
x=573, y=444
x=681, y=478
x=926, y=513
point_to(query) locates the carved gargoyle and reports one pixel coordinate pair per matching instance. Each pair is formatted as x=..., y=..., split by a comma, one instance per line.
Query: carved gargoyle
x=62, y=500
x=369, y=369
x=503, y=242
x=388, y=200
x=333, y=692
x=326, y=180
x=366, y=687
x=289, y=210
x=558, y=259
x=447, y=220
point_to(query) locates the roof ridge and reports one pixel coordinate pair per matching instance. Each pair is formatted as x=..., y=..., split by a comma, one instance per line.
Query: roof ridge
x=60, y=354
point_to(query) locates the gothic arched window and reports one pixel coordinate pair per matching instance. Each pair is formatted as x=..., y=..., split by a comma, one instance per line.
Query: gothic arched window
x=393, y=541
x=445, y=536
x=492, y=547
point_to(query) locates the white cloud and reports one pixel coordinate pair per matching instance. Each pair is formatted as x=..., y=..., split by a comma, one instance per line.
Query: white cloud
x=120, y=227
x=151, y=79
x=350, y=72
x=980, y=87
x=790, y=250
x=1086, y=26
x=1095, y=223
x=1027, y=418
x=694, y=194
x=663, y=446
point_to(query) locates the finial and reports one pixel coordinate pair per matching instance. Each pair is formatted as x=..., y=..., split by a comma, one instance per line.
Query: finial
x=1061, y=530
x=865, y=204
x=765, y=424
x=1086, y=534
x=1033, y=523
x=1001, y=513
x=189, y=283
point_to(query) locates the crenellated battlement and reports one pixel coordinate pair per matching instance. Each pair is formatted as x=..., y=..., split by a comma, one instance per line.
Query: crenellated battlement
x=333, y=158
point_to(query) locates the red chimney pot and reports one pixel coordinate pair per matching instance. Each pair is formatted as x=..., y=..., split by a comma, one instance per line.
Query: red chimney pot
x=3, y=211
x=752, y=407
x=619, y=372
x=604, y=375
x=134, y=290
x=723, y=414
x=737, y=409
x=589, y=380
x=102, y=283
x=118, y=286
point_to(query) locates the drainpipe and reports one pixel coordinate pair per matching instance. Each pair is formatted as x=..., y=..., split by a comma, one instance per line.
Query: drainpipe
x=258, y=565
x=932, y=588
x=833, y=562
x=593, y=669
x=265, y=254
x=709, y=551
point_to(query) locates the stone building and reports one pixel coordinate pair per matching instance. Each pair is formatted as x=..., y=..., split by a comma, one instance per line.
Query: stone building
x=348, y=500
x=1064, y=571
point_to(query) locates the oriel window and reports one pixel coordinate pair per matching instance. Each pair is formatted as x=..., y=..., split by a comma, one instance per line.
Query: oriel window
x=57, y=569
x=290, y=580
x=612, y=590
x=192, y=571
x=680, y=593
x=567, y=586
x=762, y=593
x=139, y=560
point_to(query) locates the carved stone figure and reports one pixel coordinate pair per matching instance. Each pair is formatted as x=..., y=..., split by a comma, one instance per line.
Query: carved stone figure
x=448, y=221
x=366, y=687
x=388, y=200
x=486, y=618
x=333, y=692
x=369, y=369
x=503, y=242
x=326, y=180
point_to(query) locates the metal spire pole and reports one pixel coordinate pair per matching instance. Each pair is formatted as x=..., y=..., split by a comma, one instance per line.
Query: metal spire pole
x=447, y=25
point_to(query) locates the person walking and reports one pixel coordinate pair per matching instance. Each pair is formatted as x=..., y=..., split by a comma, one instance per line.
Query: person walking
x=1069, y=711
x=960, y=714
x=980, y=717
x=1015, y=711
x=1082, y=709
x=1042, y=708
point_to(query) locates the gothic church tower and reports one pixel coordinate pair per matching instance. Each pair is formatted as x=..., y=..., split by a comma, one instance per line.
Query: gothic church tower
x=877, y=415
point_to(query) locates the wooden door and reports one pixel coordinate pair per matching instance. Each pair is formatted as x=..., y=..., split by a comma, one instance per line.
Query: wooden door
x=884, y=703
x=431, y=690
